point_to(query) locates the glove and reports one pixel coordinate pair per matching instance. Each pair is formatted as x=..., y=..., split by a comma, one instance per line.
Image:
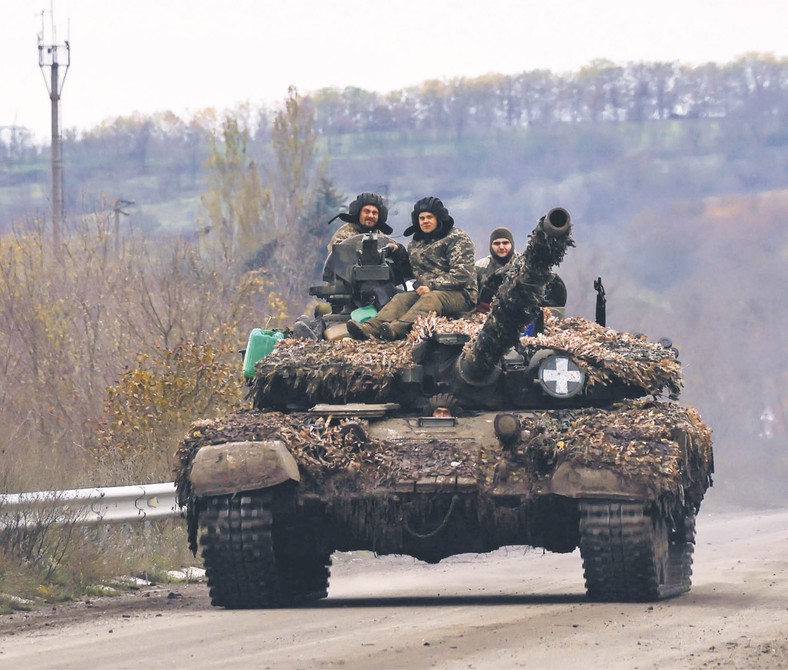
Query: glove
x=486, y=295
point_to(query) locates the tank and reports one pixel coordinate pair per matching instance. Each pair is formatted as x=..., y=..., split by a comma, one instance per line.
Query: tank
x=465, y=437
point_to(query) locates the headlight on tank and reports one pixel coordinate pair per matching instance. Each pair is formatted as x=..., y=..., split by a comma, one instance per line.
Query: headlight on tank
x=560, y=377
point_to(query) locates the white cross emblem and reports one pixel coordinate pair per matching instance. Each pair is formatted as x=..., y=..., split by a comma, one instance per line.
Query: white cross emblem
x=560, y=376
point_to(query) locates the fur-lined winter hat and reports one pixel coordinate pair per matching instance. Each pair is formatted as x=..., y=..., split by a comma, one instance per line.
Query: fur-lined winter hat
x=355, y=207
x=434, y=206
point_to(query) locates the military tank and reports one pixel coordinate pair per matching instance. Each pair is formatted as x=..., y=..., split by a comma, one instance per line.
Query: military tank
x=465, y=437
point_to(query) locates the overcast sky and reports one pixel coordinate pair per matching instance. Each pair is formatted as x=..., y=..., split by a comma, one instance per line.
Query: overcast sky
x=184, y=55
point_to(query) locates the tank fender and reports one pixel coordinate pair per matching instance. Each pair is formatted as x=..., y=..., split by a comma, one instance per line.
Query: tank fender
x=232, y=467
x=577, y=481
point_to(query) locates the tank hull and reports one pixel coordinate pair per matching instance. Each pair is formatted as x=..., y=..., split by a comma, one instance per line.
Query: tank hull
x=430, y=488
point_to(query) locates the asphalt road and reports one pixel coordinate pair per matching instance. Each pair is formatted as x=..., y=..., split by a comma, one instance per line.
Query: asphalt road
x=510, y=609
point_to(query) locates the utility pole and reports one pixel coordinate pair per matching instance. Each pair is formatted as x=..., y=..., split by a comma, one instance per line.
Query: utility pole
x=55, y=56
x=117, y=210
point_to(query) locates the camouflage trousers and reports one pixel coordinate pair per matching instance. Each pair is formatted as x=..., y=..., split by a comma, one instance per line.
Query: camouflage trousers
x=404, y=308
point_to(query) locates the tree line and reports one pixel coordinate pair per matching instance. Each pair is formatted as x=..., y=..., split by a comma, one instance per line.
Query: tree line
x=561, y=122
x=754, y=85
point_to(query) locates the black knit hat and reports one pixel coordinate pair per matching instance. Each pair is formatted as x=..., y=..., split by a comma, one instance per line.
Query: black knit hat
x=434, y=206
x=363, y=199
x=501, y=234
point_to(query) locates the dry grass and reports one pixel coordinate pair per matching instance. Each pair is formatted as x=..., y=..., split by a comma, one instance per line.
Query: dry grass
x=75, y=326
x=70, y=561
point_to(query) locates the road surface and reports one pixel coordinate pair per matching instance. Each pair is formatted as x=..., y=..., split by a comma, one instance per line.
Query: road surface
x=510, y=609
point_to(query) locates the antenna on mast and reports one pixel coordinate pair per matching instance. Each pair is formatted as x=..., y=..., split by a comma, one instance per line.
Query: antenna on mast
x=55, y=57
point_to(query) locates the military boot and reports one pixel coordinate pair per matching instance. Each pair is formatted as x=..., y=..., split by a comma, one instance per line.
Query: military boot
x=394, y=330
x=364, y=331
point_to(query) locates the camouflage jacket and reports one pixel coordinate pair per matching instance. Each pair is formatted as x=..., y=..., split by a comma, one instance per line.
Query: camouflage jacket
x=445, y=264
x=350, y=229
x=488, y=267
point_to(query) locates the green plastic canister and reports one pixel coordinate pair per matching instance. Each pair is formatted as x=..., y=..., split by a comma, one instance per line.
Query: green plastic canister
x=261, y=343
x=363, y=314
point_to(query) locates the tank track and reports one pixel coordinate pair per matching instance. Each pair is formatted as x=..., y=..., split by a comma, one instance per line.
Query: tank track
x=633, y=555
x=246, y=566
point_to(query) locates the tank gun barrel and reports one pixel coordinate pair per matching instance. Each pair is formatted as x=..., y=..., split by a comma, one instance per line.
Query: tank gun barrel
x=519, y=298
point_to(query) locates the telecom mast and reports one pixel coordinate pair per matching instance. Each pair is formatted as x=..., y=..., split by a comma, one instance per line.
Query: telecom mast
x=55, y=57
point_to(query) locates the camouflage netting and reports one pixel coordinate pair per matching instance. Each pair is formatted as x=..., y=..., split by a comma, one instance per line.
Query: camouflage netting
x=334, y=456
x=607, y=355
x=639, y=439
x=662, y=444
x=343, y=371
x=351, y=371
x=604, y=354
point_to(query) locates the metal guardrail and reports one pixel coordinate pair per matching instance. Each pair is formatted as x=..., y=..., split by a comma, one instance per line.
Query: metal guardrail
x=142, y=502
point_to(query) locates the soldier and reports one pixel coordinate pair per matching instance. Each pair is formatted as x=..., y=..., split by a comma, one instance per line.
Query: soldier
x=490, y=270
x=365, y=214
x=442, y=258
x=368, y=214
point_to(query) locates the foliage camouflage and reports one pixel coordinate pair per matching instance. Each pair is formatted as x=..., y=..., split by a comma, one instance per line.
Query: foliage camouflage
x=646, y=439
x=348, y=371
x=351, y=371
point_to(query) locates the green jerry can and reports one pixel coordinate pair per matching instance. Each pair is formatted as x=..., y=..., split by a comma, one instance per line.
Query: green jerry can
x=363, y=314
x=261, y=343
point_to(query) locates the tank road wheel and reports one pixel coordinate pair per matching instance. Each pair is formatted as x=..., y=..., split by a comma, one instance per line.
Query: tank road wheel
x=242, y=564
x=632, y=555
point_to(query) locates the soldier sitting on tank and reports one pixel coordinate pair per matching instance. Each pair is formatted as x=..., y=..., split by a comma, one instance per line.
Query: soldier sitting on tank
x=490, y=270
x=444, y=278
x=366, y=214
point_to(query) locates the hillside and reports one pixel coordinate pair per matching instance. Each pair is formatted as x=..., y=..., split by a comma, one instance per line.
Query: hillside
x=677, y=181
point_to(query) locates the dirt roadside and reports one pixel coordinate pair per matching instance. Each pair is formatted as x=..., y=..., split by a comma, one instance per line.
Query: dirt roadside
x=154, y=600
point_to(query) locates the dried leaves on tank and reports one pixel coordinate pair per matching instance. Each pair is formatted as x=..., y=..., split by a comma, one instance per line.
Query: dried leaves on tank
x=644, y=439
x=662, y=444
x=343, y=371
x=304, y=372
x=606, y=355
x=328, y=449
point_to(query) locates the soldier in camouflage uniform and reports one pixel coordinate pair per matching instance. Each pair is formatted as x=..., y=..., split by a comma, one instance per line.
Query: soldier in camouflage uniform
x=442, y=260
x=490, y=270
x=365, y=214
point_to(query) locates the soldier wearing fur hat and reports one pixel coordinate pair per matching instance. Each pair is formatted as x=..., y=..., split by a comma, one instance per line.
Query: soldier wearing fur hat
x=490, y=270
x=365, y=214
x=442, y=261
